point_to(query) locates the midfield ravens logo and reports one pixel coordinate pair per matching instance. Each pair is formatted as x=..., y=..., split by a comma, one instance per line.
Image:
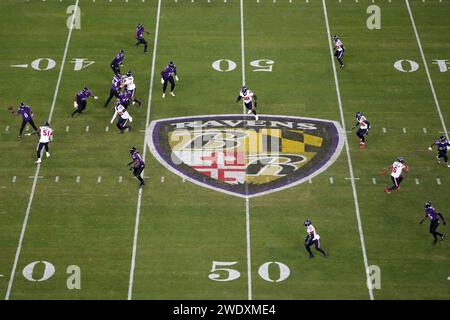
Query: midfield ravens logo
x=237, y=155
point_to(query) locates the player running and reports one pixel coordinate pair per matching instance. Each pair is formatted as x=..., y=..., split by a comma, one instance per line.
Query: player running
x=442, y=145
x=27, y=117
x=396, y=174
x=140, y=36
x=117, y=83
x=124, y=118
x=249, y=99
x=137, y=165
x=364, y=126
x=45, y=137
x=434, y=216
x=340, y=50
x=167, y=75
x=80, y=100
x=131, y=87
x=117, y=62
x=312, y=239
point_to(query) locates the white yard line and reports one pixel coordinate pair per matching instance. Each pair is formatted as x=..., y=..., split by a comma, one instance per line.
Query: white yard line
x=247, y=200
x=438, y=108
x=349, y=159
x=144, y=150
x=38, y=168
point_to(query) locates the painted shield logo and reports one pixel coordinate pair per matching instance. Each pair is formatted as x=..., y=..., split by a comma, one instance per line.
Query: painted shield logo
x=240, y=156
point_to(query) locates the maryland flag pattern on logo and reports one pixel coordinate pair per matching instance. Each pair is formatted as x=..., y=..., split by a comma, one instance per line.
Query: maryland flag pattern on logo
x=244, y=157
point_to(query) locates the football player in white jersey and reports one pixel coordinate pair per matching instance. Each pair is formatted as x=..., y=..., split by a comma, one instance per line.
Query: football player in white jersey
x=128, y=83
x=340, y=50
x=364, y=126
x=124, y=117
x=312, y=239
x=45, y=136
x=249, y=99
x=396, y=174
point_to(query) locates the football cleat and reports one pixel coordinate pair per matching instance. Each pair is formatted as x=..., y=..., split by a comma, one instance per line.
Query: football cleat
x=172, y=94
x=438, y=159
x=387, y=190
x=163, y=95
x=249, y=111
x=38, y=160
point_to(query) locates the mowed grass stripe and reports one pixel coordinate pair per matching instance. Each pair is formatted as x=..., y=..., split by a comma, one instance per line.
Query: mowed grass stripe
x=33, y=188
x=89, y=225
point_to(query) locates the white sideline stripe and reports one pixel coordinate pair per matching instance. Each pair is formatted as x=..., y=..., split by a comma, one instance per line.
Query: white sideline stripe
x=139, y=200
x=38, y=168
x=438, y=108
x=247, y=200
x=350, y=167
x=438, y=181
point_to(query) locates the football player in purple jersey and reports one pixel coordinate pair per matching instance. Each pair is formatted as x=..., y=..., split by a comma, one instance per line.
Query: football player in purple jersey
x=434, y=216
x=140, y=30
x=80, y=100
x=117, y=82
x=27, y=117
x=442, y=145
x=118, y=62
x=167, y=75
x=137, y=165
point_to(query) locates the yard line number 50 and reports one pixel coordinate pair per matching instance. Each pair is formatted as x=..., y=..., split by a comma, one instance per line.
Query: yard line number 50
x=221, y=271
x=226, y=65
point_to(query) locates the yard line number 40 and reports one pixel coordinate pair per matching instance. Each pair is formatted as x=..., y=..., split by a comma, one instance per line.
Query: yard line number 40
x=221, y=271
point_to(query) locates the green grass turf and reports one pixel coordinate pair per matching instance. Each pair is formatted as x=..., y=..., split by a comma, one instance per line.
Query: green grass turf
x=183, y=227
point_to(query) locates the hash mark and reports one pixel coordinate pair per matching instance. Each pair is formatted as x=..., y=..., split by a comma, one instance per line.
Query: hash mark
x=438, y=181
x=14, y=179
x=424, y=130
x=99, y=179
x=384, y=130
x=78, y=179
x=374, y=181
x=310, y=181
x=120, y=179
x=417, y=181
x=107, y=129
x=87, y=128
x=331, y=180
x=67, y=129
x=404, y=130
x=7, y=128
x=56, y=178
x=162, y=179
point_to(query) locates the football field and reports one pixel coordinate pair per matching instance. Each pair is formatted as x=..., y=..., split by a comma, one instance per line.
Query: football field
x=221, y=215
